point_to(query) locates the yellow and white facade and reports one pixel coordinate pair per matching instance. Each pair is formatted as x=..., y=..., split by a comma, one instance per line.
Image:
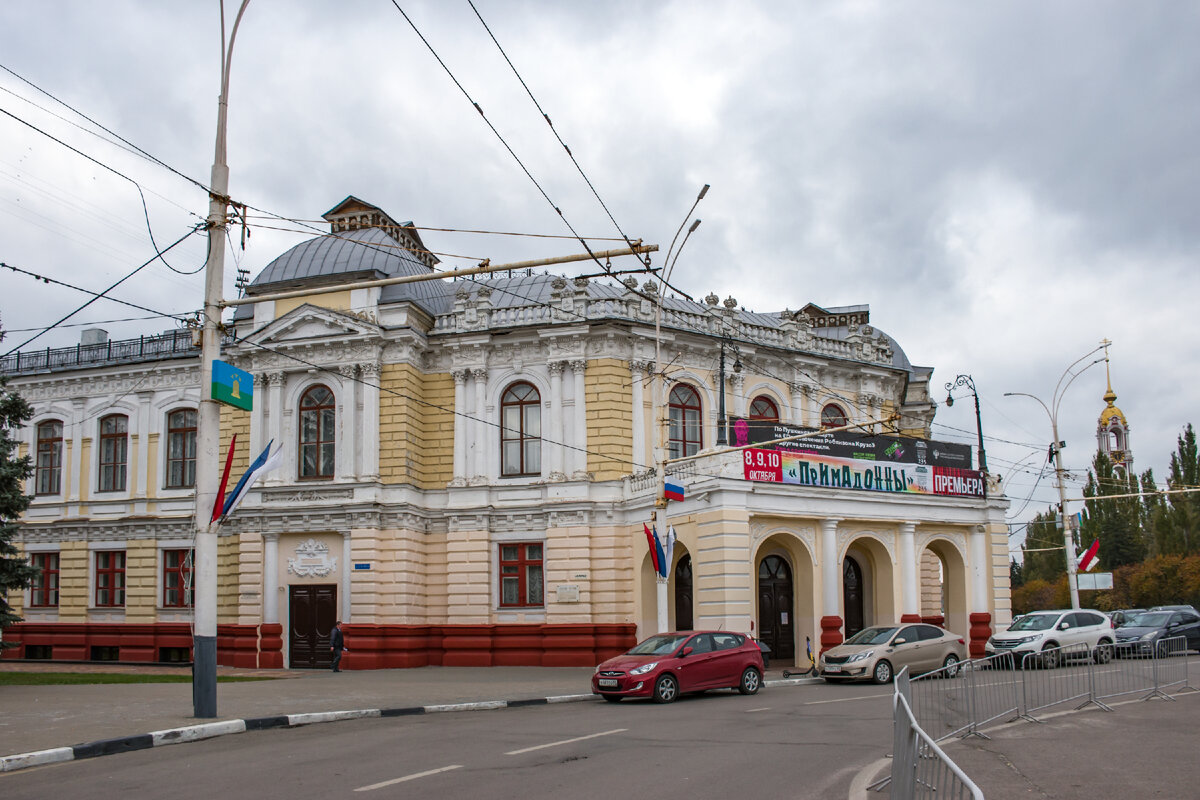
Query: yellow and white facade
x=467, y=469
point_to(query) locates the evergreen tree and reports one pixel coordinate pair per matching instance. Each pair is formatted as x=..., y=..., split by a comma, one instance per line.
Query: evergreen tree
x=1115, y=521
x=1176, y=523
x=1042, y=556
x=1016, y=574
x=15, y=572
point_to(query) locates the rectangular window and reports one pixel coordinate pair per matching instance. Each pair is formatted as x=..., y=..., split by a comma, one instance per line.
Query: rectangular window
x=44, y=591
x=48, y=474
x=521, y=575
x=177, y=579
x=114, y=452
x=110, y=579
x=181, y=449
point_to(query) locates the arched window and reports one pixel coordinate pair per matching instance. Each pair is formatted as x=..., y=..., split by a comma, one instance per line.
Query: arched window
x=317, y=438
x=48, y=475
x=181, y=448
x=832, y=416
x=764, y=409
x=520, y=430
x=114, y=452
x=684, y=427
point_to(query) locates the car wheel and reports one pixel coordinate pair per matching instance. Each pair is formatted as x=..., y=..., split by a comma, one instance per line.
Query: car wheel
x=666, y=689
x=1103, y=653
x=882, y=672
x=950, y=666
x=1050, y=654
x=751, y=681
x=612, y=698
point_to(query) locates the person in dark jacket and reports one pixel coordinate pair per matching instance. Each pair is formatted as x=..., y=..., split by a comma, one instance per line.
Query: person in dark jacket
x=337, y=644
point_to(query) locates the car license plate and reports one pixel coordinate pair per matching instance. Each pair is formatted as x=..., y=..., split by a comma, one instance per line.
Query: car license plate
x=608, y=683
x=833, y=667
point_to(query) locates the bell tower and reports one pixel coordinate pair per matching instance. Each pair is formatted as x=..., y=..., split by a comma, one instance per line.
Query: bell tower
x=1112, y=432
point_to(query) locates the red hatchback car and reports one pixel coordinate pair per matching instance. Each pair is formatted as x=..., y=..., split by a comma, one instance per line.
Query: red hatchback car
x=670, y=664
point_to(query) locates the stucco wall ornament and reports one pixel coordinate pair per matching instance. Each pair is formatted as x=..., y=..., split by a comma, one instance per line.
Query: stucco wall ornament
x=312, y=560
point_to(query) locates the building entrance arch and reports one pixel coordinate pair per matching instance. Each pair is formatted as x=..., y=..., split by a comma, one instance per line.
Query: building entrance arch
x=852, y=595
x=683, y=594
x=775, y=623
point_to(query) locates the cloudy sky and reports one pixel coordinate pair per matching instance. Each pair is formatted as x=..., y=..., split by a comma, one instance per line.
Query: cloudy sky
x=1005, y=183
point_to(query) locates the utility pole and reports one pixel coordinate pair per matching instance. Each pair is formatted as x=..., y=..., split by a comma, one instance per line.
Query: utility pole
x=208, y=418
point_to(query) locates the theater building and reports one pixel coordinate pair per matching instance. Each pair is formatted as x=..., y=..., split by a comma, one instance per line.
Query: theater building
x=467, y=468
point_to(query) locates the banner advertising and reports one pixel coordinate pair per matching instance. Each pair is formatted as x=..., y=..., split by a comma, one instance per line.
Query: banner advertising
x=810, y=469
x=847, y=444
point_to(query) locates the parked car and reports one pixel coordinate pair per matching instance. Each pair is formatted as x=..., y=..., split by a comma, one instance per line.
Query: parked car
x=1123, y=615
x=667, y=665
x=1175, y=608
x=1140, y=636
x=879, y=652
x=1045, y=631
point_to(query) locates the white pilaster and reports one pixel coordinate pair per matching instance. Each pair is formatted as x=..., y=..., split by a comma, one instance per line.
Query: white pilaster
x=144, y=423
x=579, y=422
x=980, y=585
x=554, y=432
x=275, y=425
x=483, y=432
x=348, y=444
x=798, y=400
x=462, y=426
x=637, y=369
x=369, y=446
x=271, y=577
x=909, y=599
x=831, y=578
x=74, y=478
x=346, y=569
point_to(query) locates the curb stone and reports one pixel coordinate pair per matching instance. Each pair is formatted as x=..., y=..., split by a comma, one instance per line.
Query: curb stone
x=210, y=730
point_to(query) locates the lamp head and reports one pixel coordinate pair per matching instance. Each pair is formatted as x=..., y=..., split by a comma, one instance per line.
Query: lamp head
x=949, y=401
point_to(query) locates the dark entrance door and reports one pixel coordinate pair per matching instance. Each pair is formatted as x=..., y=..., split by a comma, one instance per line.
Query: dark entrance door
x=775, y=608
x=312, y=610
x=683, y=594
x=852, y=596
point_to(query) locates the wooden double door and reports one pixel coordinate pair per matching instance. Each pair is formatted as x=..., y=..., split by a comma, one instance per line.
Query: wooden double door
x=776, y=628
x=312, y=611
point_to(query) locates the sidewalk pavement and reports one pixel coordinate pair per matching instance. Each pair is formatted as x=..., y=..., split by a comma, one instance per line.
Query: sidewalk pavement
x=1141, y=749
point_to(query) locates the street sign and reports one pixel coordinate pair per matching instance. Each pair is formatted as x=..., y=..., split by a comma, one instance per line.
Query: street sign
x=232, y=386
x=1094, y=580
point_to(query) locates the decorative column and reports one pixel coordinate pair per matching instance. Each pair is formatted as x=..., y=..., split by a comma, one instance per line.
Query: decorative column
x=271, y=577
x=579, y=425
x=369, y=447
x=257, y=415
x=482, y=435
x=555, y=431
x=637, y=370
x=270, y=655
x=75, y=471
x=275, y=425
x=981, y=617
x=348, y=445
x=812, y=411
x=799, y=394
x=739, y=399
x=910, y=608
x=831, y=583
x=462, y=425
x=346, y=568
x=143, y=449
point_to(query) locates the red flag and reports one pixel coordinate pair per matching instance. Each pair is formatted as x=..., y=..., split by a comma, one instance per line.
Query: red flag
x=650, y=540
x=1088, y=559
x=220, y=504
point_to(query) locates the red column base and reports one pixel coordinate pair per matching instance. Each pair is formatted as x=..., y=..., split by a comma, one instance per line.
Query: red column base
x=935, y=619
x=981, y=629
x=831, y=632
x=905, y=618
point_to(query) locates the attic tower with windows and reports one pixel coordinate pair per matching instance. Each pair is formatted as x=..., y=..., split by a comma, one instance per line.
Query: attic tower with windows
x=1112, y=432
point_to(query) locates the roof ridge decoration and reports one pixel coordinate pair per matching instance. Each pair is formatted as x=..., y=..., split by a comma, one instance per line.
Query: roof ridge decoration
x=354, y=214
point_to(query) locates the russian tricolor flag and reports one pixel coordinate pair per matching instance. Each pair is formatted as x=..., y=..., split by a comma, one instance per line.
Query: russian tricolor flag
x=672, y=491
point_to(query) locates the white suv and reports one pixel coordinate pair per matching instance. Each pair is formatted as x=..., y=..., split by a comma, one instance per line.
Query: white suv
x=1042, y=631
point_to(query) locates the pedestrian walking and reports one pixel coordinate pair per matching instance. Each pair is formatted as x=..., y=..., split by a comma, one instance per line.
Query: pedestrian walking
x=337, y=645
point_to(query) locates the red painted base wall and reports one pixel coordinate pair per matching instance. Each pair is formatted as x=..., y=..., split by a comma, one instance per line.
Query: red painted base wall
x=370, y=646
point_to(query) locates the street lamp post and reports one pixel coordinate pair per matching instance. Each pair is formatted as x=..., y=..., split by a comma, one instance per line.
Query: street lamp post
x=969, y=382
x=1056, y=448
x=208, y=417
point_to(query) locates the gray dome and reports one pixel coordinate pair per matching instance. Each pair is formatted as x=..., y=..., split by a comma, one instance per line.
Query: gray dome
x=362, y=253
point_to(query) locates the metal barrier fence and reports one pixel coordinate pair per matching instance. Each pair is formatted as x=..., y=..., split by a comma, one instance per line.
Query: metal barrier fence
x=960, y=699
x=919, y=767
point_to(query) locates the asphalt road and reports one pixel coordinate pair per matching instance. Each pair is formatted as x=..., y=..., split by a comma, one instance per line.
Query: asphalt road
x=779, y=743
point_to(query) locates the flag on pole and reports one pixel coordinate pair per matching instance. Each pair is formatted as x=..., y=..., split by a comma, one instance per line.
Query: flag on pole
x=662, y=557
x=670, y=549
x=219, y=505
x=1088, y=559
x=672, y=491
x=262, y=465
x=651, y=541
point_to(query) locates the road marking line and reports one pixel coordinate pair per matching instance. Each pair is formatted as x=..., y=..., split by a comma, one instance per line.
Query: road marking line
x=846, y=699
x=756, y=710
x=564, y=741
x=412, y=777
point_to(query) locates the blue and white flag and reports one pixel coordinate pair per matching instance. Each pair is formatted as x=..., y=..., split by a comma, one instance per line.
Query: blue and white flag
x=669, y=547
x=265, y=463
